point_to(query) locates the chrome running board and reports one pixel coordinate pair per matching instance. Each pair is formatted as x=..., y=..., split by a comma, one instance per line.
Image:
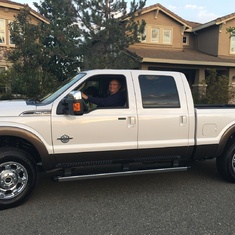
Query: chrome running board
x=114, y=174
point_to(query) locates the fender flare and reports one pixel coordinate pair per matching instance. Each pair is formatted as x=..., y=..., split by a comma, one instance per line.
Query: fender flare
x=224, y=139
x=48, y=161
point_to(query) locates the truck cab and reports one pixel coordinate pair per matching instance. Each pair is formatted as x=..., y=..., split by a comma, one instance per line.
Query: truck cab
x=136, y=130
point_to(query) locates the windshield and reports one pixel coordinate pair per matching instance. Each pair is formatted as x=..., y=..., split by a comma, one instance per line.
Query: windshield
x=52, y=96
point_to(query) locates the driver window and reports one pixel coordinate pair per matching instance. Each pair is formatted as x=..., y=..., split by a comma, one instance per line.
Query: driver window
x=105, y=91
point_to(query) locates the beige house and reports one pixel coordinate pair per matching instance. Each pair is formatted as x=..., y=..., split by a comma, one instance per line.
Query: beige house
x=8, y=10
x=172, y=43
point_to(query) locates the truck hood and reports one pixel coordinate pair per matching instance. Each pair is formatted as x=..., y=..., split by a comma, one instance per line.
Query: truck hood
x=14, y=107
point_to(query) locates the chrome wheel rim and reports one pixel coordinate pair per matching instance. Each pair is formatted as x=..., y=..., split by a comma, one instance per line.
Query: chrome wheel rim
x=13, y=179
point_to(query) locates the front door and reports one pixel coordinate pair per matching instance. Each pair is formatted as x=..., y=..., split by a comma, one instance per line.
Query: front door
x=97, y=132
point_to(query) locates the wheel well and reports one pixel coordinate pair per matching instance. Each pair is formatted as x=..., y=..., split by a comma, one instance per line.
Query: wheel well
x=230, y=140
x=227, y=144
x=20, y=143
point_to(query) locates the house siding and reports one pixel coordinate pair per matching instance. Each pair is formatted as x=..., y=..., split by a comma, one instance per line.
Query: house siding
x=162, y=22
x=207, y=40
x=224, y=40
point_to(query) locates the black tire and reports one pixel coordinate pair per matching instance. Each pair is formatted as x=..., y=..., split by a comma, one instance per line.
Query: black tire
x=226, y=164
x=18, y=177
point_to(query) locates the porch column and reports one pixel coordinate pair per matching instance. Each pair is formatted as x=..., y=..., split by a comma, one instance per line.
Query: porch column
x=199, y=86
x=144, y=66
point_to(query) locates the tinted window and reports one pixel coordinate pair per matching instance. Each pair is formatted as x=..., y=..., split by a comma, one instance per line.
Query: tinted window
x=158, y=91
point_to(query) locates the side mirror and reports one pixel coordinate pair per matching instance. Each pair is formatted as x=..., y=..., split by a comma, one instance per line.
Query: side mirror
x=71, y=104
x=76, y=95
x=76, y=103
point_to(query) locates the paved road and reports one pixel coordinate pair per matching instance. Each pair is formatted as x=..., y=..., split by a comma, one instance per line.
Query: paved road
x=193, y=202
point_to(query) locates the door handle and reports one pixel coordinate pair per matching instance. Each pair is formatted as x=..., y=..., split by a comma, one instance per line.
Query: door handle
x=131, y=122
x=183, y=120
x=122, y=118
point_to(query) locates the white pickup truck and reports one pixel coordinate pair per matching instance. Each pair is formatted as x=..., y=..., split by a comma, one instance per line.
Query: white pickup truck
x=157, y=129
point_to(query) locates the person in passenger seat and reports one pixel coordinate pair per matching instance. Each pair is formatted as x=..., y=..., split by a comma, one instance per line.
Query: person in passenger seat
x=115, y=97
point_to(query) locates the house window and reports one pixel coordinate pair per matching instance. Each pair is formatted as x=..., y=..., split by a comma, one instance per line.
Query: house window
x=232, y=43
x=2, y=32
x=167, y=37
x=155, y=35
x=185, y=40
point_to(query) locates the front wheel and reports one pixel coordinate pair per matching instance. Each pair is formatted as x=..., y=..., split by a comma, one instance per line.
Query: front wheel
x=18, y=176
x=226, y=164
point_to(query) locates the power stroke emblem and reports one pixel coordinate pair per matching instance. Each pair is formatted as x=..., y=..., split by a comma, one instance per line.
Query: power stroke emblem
x=64, y=139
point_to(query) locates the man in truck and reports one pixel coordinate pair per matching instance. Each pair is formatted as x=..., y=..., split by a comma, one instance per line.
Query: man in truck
x=115, y=97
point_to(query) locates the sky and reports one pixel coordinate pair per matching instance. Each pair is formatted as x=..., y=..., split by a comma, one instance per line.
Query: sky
x=200, y=11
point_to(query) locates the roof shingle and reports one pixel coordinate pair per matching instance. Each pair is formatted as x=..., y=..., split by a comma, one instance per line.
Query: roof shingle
x=150, y=53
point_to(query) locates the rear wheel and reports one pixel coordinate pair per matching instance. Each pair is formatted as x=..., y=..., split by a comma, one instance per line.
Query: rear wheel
x=18, y=176
x=226, y=164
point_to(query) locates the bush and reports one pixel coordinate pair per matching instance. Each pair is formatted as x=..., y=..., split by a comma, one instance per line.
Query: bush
x=217, y=91
x=25, y=84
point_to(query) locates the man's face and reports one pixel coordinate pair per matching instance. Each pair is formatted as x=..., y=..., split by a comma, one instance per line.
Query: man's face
x=114, y=86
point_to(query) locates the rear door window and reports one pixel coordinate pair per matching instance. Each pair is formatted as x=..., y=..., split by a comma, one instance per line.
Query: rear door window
x=158, y=91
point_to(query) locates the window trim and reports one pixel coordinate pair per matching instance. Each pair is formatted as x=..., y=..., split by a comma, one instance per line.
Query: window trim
x=186, y=41
x=232, y=43
x=164, y=36
x=158, y=35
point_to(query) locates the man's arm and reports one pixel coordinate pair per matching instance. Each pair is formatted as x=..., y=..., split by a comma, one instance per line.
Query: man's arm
x=113, y=100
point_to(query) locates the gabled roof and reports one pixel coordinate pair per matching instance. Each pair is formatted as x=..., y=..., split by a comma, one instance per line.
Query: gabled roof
x=218, y=21
x=18, y=6
x=190, y=26
x=158, y=7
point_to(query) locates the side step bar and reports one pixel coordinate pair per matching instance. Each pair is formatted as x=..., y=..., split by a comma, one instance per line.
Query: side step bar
x=114, y=174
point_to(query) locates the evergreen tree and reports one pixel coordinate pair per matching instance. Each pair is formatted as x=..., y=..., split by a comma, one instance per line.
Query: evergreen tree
x=29, y=78
x=60, y=38
x=108, y=28
x=217, y=88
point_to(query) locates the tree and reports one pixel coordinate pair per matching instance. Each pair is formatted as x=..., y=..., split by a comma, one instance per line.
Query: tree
x=61, y=38
x=108, y=28
x=5, y=83
x=217, y=88
x=230, y=29
x=28, y=77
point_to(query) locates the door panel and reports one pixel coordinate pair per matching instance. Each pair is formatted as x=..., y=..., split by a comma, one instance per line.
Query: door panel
x=99, y=130
x=162, y=113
